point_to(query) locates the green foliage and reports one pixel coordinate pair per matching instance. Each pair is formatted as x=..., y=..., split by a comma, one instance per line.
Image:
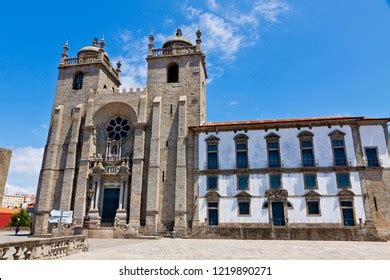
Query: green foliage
x=25, y=220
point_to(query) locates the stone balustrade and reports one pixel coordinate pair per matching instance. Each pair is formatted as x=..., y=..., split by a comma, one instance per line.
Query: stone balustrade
x=89, y=60
x=43, y=249
x=174, y=51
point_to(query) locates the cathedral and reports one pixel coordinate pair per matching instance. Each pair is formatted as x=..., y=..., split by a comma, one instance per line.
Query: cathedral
x=145, y=162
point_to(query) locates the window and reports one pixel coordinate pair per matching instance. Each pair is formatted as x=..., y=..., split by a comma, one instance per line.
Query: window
x=338, y=146
x=347, y=212
x=243, y=208
x=307, y=153
x=310, y=181
x=173, y=73
x=118, y=128
x=372, y=157
x=212, y=152
x=213, y=213
x=78, y=81
x=313, y=207
x=343, y=181
x=241, y=151
x=275, y=181
x=273, y=153
x=212, y=182
x=243, y=182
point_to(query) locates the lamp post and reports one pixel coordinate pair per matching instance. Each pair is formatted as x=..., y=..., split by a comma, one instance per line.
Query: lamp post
x=17, y=226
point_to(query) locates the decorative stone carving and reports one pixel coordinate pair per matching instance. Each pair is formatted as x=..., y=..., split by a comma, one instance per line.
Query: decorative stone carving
x=277, y=195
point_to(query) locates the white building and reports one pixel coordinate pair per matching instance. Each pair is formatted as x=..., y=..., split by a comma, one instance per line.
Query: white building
x=295, y=173
x=17, y=200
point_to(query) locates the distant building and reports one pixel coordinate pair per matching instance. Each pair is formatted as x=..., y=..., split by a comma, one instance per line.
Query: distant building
x=17, y=201
x=5, y=158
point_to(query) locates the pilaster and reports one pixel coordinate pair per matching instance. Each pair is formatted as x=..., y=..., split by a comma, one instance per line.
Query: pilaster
x=153, y=189
x=83, y=174
x=47, y=176
x=181, y=172
x=70, y=169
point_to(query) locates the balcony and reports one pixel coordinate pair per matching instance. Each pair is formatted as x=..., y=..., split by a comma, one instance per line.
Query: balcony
x=242, y=164
x=308, y=163
x=341, y=162
x=373, y=163
x=274, y=163
x=211, y=166
x=111, y=169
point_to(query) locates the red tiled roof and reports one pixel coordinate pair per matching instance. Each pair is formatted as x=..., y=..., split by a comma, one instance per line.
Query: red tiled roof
x=286, y=121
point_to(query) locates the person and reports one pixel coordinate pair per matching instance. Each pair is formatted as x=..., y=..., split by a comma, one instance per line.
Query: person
x=17, y=229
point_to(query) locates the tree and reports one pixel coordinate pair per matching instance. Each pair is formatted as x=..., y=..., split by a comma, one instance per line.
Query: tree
x=24, y=219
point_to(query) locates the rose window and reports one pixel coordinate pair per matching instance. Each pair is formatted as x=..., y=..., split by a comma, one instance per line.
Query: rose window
x=118, y=128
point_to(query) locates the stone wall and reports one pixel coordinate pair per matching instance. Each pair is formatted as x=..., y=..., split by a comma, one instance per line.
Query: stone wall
x=289, y=233
x=5, y=158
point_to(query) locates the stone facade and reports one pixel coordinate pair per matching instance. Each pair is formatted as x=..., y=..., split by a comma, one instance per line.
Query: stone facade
x=5, y=159
x=366, y=193
x=131, y=162
x=132, y=145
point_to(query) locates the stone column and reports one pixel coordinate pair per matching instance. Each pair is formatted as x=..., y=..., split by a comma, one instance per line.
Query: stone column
x=88, y=146
x=121, y=213
x=70, y=169
x=181, y=170
x=137, y=169
x=195, y=221
x=47, y=176
x=153, y=190
x=93, y=213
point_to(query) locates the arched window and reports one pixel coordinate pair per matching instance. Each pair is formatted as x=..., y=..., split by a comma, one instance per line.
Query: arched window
x=173, y=73
x=78, y=80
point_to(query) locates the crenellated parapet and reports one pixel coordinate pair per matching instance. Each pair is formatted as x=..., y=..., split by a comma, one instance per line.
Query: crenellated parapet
x=134, y=91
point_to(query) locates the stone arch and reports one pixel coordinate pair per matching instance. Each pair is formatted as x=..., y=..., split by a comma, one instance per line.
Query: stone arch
x=111, y=115
x=173, y=73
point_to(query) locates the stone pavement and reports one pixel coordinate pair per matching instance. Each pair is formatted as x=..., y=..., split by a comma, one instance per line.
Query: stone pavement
x=187, y=249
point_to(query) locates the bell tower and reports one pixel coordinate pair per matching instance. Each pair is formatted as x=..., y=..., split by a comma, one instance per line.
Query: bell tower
x=176, y=79
x=62, y=182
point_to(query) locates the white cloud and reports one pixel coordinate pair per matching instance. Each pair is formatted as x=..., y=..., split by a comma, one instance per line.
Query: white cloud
x=233, y=103
x=270, y=9
x=213, y=5
x=26, y=160
x=41, y=130
x=133, y=59
x=227, y=28
x=231, y=27
x=12, y=190
x=24, y=170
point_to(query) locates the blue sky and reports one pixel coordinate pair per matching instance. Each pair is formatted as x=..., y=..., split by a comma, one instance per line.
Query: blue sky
x=266, y=59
